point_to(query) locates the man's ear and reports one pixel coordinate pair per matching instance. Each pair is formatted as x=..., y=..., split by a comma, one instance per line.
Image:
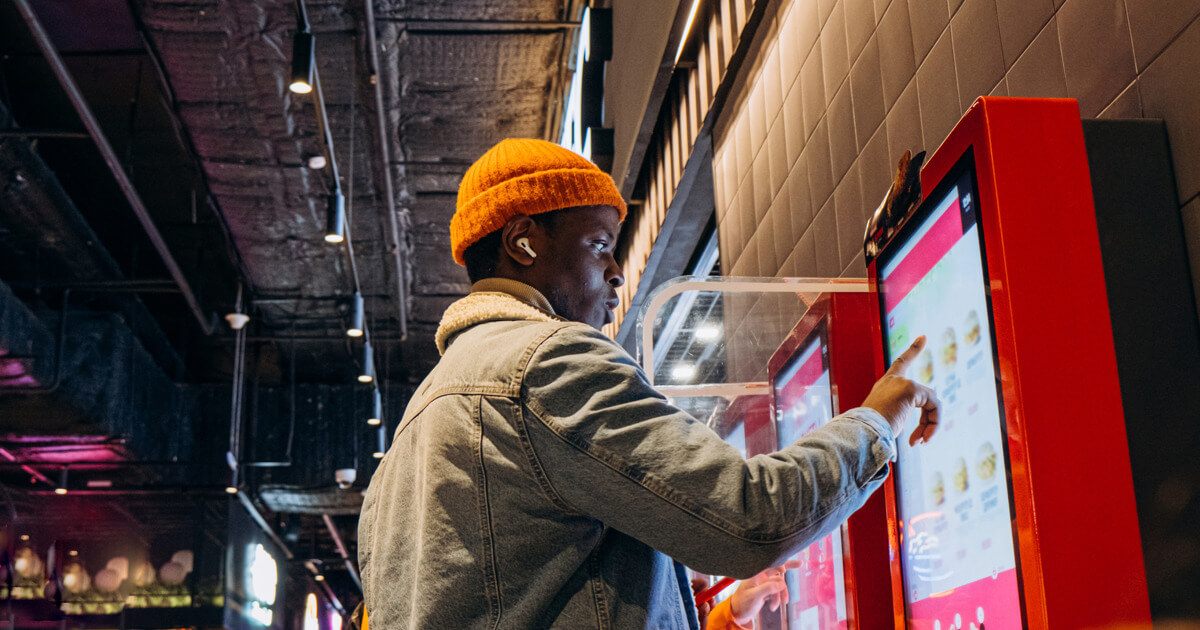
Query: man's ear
x=511, y=235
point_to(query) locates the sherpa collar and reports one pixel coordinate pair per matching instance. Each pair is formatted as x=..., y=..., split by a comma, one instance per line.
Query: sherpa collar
x=494, y=299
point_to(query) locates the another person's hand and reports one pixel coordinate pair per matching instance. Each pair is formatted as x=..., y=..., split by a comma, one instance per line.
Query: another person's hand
x=698, y=584
x=765, y=589
x=894, y=396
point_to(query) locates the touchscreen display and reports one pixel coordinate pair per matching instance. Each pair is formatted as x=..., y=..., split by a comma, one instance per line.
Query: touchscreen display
x=803, y=402
x=958, y=556
x=745, y=425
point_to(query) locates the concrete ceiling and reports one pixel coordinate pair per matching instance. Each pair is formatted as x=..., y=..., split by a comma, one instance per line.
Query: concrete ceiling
x=456, y=78
x=193, y=96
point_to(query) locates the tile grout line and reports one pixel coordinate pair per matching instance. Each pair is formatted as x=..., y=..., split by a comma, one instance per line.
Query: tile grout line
x=1175, y=38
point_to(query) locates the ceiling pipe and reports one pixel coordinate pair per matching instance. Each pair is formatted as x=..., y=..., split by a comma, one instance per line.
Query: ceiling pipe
x=399, y=250
x=114, y=163
x=41, y=133
x=257, y=517
x=323, y=584
x=33, y=472
x=341, y=549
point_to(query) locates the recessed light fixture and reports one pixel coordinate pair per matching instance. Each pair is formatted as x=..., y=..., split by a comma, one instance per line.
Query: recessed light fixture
x=231, y=490
x=357, y=318
x=335, y=219
x=62, y=482
x=368, y=370
x=381, y=446
x=683, y=372
x=376, y=409
x=303, y=62
x=317, y=162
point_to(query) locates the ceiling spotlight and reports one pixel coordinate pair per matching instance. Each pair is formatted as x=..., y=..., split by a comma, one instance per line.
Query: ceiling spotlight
x=683, y=372
x=316, y=162
x=24, y=537
x=237, y=321
x=358, y=319
x=381, y=446
x=377, y=410
x=303, y=61
x=231, y=490
x=708, y=332
x=368, y=370
x=335, y=219
x=62, y=482
x=319, y=577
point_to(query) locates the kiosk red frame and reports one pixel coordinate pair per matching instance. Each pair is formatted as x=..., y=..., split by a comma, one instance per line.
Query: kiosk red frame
x=843, y=319
x=1079, y=553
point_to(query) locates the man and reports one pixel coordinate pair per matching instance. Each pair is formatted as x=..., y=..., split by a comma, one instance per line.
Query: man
x=537, y=480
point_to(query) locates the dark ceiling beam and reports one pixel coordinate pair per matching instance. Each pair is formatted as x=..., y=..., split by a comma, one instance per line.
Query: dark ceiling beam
x=398, y=246
x=111, y=52
x=322, y=584
x=42, y=133
x=417, y=25
x=27, y=468
x=462, y=163
x=312, y=339
x=257, y=517
x=38, y=32
x=341, y=549
x=105, y=286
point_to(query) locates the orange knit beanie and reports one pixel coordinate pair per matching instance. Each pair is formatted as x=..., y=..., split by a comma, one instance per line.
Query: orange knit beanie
x=525, y=176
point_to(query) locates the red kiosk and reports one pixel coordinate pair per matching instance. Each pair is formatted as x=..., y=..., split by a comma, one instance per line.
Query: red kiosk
x=821, y=369
x=1020, y=512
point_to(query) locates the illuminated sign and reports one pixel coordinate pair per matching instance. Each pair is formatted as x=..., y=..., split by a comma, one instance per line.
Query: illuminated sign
x=311, y=622
x=262, y=577
x=583, y=112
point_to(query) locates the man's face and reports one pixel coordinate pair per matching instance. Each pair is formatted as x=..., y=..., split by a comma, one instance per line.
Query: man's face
x=575, y=268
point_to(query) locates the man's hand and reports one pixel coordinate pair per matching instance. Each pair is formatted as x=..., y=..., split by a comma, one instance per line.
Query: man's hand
x=765, y=589
x=894, y=397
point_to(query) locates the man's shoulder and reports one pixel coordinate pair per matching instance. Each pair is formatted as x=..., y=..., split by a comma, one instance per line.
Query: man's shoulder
x=575, y=347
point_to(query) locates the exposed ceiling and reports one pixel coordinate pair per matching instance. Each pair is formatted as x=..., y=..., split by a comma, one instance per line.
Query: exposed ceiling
x=192, y=97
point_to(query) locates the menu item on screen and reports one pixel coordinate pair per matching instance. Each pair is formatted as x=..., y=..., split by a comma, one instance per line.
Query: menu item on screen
x=803, y=402
x=937, y=489
x=986, y=468
x=971, y=325
x=958, y=552
x=949, y=349
x=925, y=367
x=960, y=475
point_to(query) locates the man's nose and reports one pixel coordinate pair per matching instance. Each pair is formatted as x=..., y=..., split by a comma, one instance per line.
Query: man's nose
x=615, y=276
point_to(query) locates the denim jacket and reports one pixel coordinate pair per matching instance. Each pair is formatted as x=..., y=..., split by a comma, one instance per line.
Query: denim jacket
x=537, y=480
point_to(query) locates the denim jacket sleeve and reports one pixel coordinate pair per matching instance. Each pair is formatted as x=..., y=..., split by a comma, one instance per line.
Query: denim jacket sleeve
x=607, y=445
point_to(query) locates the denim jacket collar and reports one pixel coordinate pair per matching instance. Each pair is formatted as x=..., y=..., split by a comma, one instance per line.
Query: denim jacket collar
x=493, y=299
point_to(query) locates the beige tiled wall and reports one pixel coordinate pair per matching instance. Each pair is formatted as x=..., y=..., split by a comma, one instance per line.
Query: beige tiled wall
x=839, y=89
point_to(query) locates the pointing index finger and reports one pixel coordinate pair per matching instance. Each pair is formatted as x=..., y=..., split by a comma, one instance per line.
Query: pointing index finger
x=901, y=364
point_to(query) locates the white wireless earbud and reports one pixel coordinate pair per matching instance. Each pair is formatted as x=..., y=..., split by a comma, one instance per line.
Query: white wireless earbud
x=523, y=243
